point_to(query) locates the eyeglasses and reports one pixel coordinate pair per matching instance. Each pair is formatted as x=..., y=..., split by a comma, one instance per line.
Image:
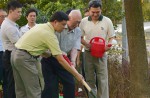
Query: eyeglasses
x=3, y=16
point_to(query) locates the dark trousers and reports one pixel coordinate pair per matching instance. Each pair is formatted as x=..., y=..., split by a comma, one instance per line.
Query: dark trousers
x=52, y=70
x=1, y=67
x=8, y=79
x=2, y=81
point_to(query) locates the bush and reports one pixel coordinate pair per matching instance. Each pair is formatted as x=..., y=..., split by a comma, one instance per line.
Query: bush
x=118, y=74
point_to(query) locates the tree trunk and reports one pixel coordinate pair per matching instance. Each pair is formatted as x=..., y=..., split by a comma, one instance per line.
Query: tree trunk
x=139, y=87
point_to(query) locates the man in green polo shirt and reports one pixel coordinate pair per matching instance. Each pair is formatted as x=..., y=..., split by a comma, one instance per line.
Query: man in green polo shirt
x=32, y=44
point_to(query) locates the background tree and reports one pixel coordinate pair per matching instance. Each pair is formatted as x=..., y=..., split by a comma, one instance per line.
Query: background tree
x=146, y=10
x=47, y=8
x=3, y=3
x=115, y=13
x=139, y=87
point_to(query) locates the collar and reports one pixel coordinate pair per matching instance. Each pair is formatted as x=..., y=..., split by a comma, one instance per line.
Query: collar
x=27, y=26
x=50, y=26
x=99, y=19
x=72, y=31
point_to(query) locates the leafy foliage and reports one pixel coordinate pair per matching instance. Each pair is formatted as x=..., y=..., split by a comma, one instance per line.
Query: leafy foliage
x=113, y=10
x=47, y=8
x=3, y=3
x=146, y=11
x=118, y=73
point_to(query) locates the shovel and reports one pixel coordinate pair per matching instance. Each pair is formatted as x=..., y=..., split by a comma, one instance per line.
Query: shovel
x=88, y=88
x=83, y=82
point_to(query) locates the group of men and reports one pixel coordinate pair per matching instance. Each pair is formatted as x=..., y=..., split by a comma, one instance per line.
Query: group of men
x=33, y=56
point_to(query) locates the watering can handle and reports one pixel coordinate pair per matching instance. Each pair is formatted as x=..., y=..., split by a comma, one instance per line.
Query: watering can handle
x=97, y=39
x=67, y=59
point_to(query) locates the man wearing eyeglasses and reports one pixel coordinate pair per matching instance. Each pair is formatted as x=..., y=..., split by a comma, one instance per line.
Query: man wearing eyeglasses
x=3, y=14
x=96, y=25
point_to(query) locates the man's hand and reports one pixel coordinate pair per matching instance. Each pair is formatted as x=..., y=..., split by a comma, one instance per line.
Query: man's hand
x=73, y=63
x=87, y=45
x=108, y=47
x=79, y=77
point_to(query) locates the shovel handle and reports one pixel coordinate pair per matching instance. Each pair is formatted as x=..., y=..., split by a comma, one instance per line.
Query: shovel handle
x=87, y=86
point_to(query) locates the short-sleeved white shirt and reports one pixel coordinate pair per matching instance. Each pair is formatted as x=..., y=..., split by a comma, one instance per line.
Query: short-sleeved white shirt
x=24, y=29
x=10, y=34
x=102, y=28
x=1, y=47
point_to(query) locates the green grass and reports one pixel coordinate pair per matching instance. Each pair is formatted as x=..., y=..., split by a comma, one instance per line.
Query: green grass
x=60, y=96
x=0, y=87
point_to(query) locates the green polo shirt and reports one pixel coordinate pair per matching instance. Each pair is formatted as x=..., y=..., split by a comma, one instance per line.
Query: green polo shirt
x=39, y=39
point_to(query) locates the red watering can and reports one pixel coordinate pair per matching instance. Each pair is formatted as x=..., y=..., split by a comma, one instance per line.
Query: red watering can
x=97, y=47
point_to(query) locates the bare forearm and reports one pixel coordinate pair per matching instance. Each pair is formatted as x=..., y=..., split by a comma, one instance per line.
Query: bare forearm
x=87, y=45
x=110, y=40
x=73, y=55
x=83, y=42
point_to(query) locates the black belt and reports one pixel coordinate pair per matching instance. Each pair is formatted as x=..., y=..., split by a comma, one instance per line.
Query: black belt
x=8, y=51
x=87, y=50
x=36, y=57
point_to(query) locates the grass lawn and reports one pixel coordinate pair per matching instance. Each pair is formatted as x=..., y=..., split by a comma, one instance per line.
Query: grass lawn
x=0, y=87
x=60, y=96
